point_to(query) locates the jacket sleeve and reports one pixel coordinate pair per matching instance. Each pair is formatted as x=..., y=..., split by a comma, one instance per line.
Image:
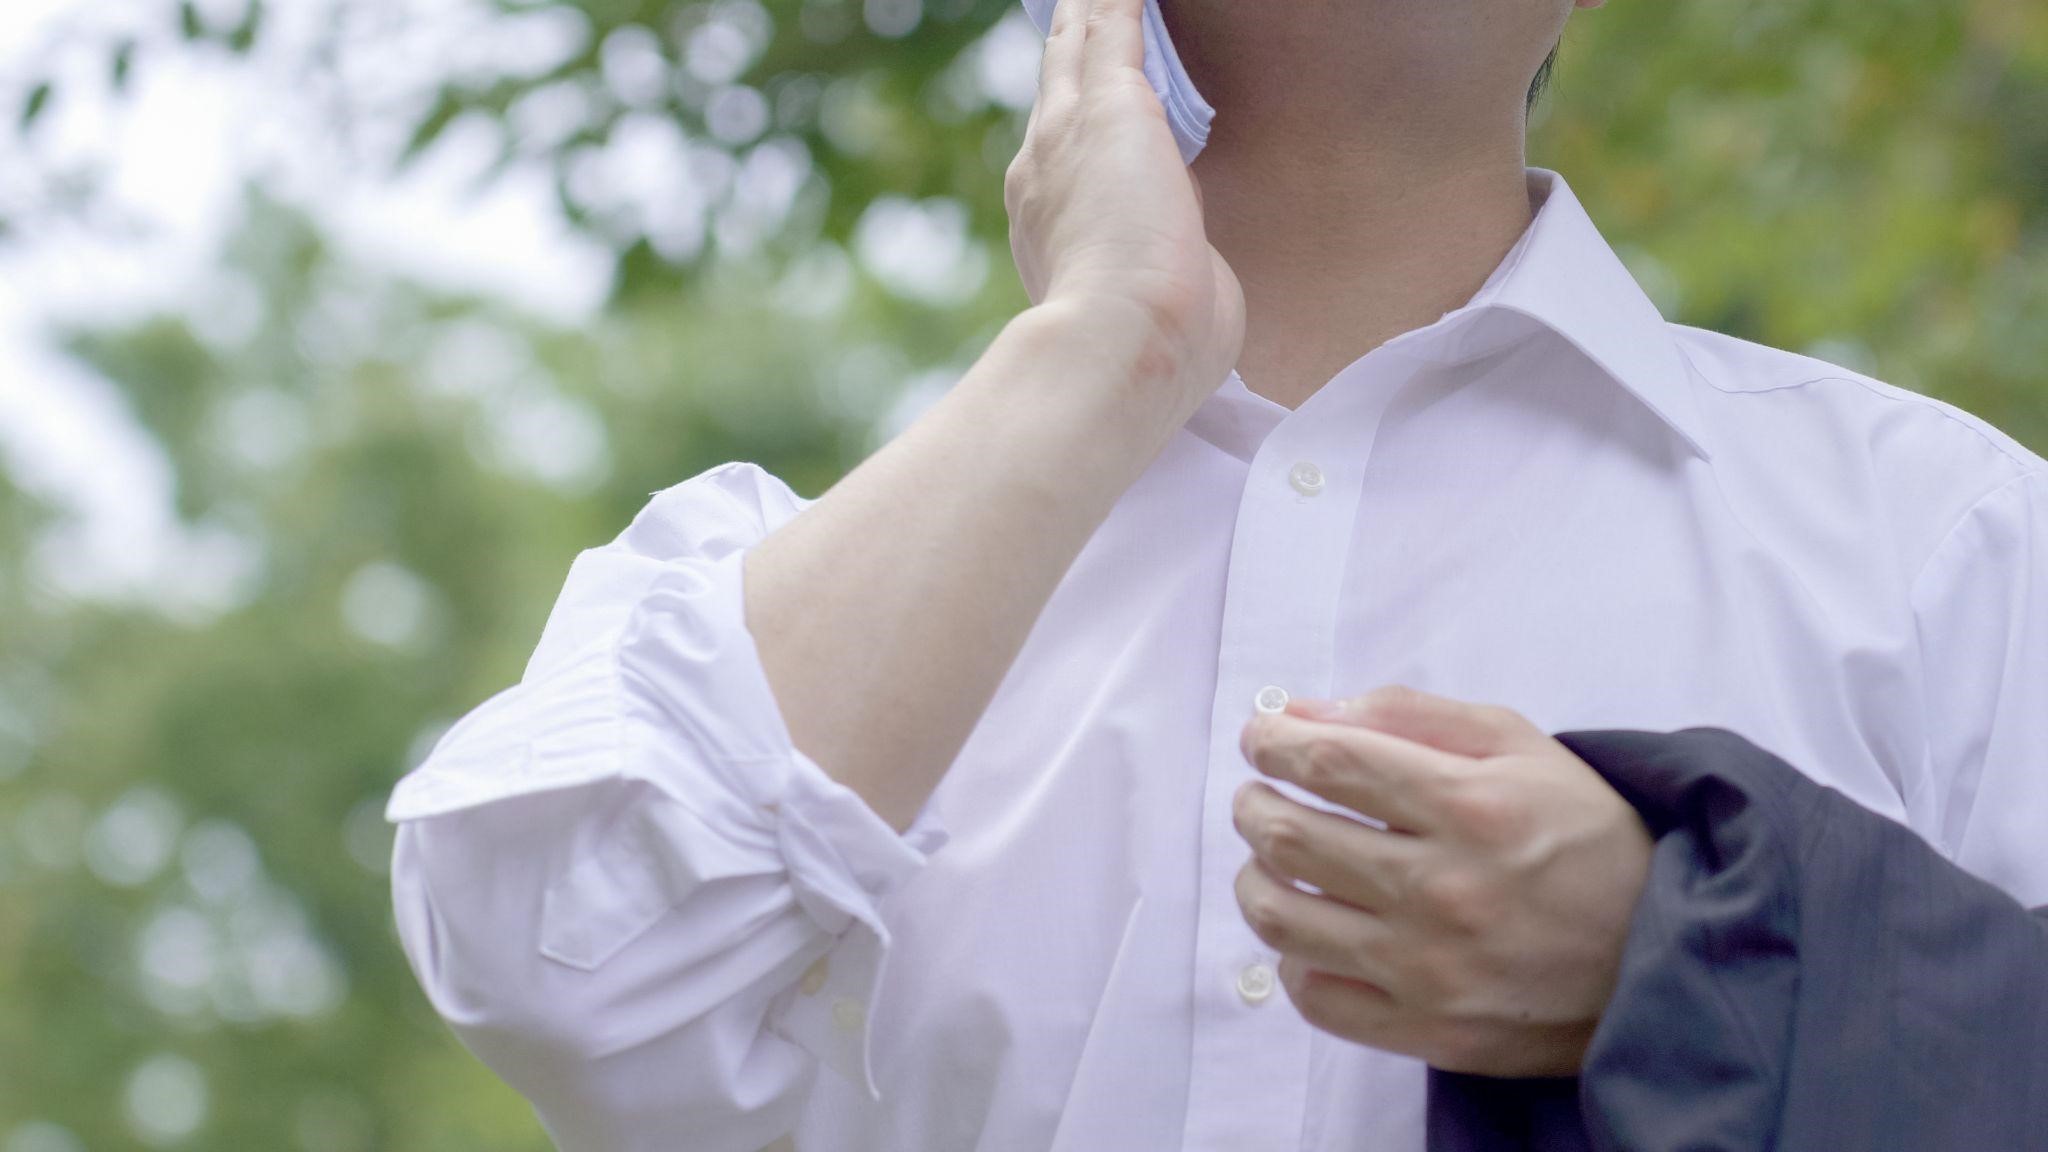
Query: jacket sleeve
x=1800, y=972
x=619, y=881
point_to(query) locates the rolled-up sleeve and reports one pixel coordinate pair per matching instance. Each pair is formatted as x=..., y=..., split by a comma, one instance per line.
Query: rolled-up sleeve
x=620, y=882
x=1982, y=606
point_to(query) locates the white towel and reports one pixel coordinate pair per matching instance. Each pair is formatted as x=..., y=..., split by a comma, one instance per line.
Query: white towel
x=1186, y=112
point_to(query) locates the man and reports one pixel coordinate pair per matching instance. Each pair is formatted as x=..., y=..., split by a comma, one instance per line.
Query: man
x=933, y=815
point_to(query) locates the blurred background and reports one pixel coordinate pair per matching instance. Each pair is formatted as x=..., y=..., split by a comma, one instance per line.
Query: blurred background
x=331, y=330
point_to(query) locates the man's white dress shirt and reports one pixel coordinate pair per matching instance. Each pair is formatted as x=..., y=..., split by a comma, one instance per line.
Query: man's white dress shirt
x=633, y=898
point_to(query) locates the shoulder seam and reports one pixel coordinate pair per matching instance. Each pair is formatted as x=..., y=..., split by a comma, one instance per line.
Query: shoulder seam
x=1939, y=407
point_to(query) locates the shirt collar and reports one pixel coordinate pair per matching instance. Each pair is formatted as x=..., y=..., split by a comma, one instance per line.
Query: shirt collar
x=1561, y=276
x=1565, y=277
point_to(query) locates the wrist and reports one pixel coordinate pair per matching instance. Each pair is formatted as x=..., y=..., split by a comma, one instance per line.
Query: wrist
x=1122, y=337
x=1074, y=399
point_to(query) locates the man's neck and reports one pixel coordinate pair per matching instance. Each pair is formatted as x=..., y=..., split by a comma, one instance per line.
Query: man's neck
x=1342, y=246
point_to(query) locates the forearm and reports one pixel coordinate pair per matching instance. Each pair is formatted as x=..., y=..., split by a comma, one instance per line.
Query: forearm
x=887, y=613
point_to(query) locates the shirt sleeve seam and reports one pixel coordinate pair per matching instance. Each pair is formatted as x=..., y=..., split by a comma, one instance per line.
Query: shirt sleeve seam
x=1969, y=516
x=1948, y=842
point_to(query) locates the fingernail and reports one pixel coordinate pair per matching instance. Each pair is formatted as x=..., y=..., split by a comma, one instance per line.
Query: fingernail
x=1317, y=709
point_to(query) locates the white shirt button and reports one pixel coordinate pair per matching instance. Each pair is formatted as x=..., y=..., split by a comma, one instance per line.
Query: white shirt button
x=1272, y=698
x=1306, y=478
x=849, y=1016
x=1256, y=983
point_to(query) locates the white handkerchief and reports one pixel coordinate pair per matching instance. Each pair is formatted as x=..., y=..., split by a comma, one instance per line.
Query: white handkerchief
x=1186, y=111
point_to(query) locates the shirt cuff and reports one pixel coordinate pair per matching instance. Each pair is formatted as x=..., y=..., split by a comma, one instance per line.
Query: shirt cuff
x=691, y=672
x=828, y=1013
x=692, y=683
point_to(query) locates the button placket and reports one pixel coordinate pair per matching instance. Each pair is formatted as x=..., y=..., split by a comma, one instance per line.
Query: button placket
x=1250, y=1062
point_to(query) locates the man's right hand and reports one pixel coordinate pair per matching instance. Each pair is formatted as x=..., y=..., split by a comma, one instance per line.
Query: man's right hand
x=887, y=613
x=1105, y=217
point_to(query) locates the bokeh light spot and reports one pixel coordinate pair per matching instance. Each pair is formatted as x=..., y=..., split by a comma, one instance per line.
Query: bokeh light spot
x=42, y=1136
x=387, y=604
x=134, y=838
x=166, y=1099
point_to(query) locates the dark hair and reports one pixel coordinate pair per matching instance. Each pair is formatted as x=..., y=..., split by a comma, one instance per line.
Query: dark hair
x=1543, y=78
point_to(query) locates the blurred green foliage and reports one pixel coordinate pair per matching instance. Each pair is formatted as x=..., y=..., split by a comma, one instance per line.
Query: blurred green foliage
x=192, y=898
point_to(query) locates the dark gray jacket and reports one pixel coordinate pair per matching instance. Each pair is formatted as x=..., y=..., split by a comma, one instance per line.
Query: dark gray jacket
x=1801, y=974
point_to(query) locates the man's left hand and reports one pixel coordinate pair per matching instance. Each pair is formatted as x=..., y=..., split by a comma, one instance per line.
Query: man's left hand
x=1482, y=929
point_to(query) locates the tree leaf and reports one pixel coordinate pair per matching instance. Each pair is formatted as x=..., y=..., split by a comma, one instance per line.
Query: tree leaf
x=244, y=35
x=123, y=64
x=446, y=107
x=37, y=103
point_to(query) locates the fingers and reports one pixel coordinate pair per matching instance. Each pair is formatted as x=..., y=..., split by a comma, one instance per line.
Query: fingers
x=1313, y=929
x=1370, y=772
x=1348, y=861
x=1357, y=1011
x=1089, y=40
x=1059, y=73
x=1438, y=721
x=1116, y=39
